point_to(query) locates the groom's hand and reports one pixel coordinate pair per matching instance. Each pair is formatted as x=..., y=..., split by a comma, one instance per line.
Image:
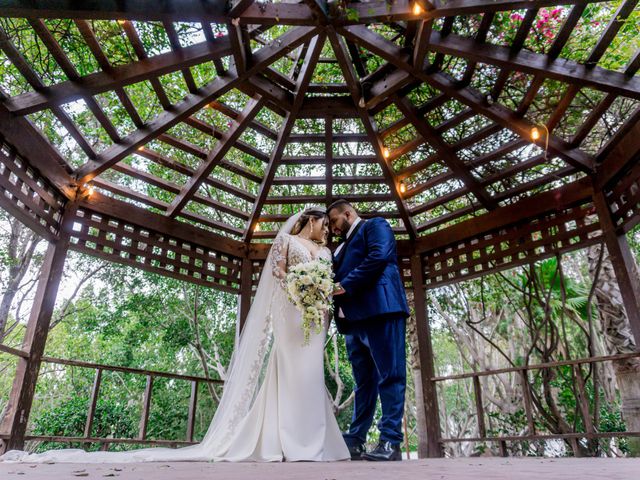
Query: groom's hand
x=338, y=290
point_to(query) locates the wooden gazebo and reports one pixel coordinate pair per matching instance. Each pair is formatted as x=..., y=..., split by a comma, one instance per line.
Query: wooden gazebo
x=464, y=123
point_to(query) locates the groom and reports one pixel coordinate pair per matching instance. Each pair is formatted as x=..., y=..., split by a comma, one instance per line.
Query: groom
x=370, y=310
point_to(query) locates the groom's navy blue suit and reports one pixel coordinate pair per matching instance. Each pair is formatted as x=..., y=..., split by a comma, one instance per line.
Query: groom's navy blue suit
x=375, y=309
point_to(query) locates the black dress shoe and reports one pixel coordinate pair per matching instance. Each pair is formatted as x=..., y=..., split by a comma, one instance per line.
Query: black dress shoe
x=356, y=451
x=384, y=452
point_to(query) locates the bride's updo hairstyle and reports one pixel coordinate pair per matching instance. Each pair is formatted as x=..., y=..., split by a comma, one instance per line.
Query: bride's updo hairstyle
x=316, y=213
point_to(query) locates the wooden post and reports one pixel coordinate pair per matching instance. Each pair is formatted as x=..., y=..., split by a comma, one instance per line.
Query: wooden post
x=93, y=402
x=193, y=403
x=623, y=263
x=146, y=407
x=244, y=302
x=14, y=422
x=427, y=370
x=528, y=402
x=477, y=390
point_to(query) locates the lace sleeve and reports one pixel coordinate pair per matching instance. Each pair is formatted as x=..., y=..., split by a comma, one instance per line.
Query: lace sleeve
x=279, y=259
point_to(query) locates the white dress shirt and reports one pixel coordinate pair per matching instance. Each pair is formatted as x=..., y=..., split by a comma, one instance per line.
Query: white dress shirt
x=341, y=246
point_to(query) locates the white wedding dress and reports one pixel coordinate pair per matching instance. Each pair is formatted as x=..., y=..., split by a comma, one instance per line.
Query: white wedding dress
x=275, y=406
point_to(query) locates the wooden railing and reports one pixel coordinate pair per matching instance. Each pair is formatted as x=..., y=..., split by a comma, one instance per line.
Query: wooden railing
x=528, y=404
x=146, y=403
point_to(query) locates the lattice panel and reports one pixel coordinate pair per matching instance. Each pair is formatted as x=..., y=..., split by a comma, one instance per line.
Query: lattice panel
x=123, y=242
x=624, y=200
x=518, y=244
x=257, y=267
x=27, y=195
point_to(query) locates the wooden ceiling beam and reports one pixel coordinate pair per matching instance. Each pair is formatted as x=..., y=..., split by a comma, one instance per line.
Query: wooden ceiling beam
x=623, y=153
x=117, y=77
x=240, y=45
x=174, y=39
x=172, y=11
x=271, y=91
x=188, y=172
x=320, y=107
x=350, y=77
x=92, y=42
x=26, y=139
x=70, y=71
x=468, y=96
x=141, y=53
x=201, y=153
x=447, y=8
x=446, y=153
x=264, y=13
x=162, y=224
x=336, y=160
x=26, y=70
x=319, y=10
x=572, y=194
x=339, y=180
x=238, y=6
x=302, y=82
x=319, y=199
x=529, y=62
x=233, y=114
x=216, y=155
x=190, y=105
x=219, y=134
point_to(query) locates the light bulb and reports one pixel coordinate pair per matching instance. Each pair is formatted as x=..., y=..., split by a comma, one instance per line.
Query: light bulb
x=403, y=187
x=386, y=153
x=87, y=189
x=535, y=133
x=256, y=228
x=417, y=9
x=122, y=22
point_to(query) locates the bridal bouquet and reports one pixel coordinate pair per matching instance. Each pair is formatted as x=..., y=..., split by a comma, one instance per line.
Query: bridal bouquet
x=310, y=286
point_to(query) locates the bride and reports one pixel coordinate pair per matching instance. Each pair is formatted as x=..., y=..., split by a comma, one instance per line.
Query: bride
x=275, y=405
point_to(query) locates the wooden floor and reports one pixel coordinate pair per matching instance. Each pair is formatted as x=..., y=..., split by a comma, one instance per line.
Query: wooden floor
x=441, y=469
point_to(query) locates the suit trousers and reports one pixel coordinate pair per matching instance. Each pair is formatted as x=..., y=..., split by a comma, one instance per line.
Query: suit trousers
x=376, y=350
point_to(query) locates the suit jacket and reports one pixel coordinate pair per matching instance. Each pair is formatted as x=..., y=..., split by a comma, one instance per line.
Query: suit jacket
x=367, y=268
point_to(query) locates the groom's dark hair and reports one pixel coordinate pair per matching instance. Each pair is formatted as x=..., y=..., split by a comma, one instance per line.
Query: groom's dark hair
x=341, y=205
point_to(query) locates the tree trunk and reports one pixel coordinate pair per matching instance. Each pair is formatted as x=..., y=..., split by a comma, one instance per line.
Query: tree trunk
x=618, y=339
x=20, y=250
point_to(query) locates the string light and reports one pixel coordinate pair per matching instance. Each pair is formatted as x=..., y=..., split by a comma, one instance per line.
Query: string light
x=417, y=9
x=256, y=228
x=122, y=22
x=87, y=190
x=535, y=134
x=403, y=187
x=386, y=153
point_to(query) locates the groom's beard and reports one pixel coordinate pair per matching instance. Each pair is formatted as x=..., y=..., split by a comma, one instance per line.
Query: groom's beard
x=344, y=230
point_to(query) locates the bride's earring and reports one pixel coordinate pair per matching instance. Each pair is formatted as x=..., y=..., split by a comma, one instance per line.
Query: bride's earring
x=311, y=229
